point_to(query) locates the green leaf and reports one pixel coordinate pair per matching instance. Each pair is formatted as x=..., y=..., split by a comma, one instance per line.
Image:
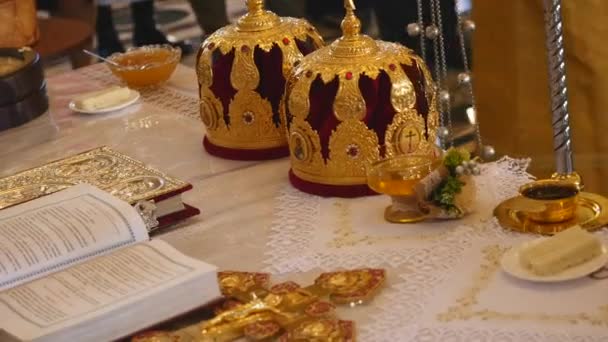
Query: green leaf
x=454, y=157
x=445, y=194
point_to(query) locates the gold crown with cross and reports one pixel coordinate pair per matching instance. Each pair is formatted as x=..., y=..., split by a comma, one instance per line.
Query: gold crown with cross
x=242, y=70
x=356, y=101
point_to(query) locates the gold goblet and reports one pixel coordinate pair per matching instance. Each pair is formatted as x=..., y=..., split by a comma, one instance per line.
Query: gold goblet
x=550, y=200
x=397, y=177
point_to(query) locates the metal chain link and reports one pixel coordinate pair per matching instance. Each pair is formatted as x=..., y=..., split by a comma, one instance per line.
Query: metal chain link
x=438, y=81
x=446, y=107
x=421, y=25
x=467, y=69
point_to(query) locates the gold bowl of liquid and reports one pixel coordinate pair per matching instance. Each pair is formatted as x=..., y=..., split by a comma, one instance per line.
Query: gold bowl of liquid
x=146, y=65
x=549, y=200
x=397, y=177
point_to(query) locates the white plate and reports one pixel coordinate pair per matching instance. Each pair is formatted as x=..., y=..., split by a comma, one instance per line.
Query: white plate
x=510, y=264
x=133, y=97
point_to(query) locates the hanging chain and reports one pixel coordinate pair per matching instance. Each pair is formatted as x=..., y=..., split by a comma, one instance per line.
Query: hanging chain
x=435, y=33
x=446, y=108
x=467, y=70
x=437, y=79
x=421, y=25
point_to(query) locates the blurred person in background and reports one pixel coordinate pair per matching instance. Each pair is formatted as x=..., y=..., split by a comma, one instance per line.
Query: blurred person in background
x=210, y=14
x=394, y=16
x=83, y=10
x=144, y=31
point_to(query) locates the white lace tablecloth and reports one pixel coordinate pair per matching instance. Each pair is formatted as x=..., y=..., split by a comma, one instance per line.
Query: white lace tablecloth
x=313, y=232
x=447, y=283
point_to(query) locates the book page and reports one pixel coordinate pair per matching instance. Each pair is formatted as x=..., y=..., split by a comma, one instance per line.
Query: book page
x=56, y=231
x=89, y=289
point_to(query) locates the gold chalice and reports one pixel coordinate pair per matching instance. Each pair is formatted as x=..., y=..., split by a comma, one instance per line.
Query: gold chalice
x=550, y=200
x=397, y=177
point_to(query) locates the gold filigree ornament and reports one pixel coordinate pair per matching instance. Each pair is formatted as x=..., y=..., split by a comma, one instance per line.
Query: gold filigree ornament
x=109, y=170
x=353, y=102
x=241, y=72
x=285, y=312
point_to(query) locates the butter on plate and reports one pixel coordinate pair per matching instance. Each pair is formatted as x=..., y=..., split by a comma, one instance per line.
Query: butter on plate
x=101, y=99
x=564, y=250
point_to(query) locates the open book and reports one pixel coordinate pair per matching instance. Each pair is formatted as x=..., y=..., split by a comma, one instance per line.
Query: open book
x=77, y=266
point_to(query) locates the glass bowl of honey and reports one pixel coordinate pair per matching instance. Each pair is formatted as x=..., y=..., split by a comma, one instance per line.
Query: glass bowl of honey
x=398, y=177
x=145, y=66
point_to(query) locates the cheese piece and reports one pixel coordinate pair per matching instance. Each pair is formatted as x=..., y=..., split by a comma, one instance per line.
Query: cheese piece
x=555, y=243
x=106, y=98
x=566, y=249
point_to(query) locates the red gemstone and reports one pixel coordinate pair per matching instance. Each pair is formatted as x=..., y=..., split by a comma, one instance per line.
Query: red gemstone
x=286, y=41
x=393, y=67
x=245, y=48
x=284, y=288
x=308, y=73
x=248, y=117
x=319, y=308
x=349, y=75
x=211, y=46
x=352, y=151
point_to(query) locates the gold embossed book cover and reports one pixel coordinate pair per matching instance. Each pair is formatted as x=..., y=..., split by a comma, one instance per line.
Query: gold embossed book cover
x=109, y=170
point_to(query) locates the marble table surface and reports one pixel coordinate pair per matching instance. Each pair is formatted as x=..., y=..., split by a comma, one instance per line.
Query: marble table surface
x=238, y=203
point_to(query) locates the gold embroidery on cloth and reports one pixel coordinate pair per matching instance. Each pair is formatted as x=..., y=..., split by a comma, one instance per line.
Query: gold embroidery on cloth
x=349, y=102
x=346, y=236
x=464, y=307
x=406, y=135
x=347, y=60
x=251, y=120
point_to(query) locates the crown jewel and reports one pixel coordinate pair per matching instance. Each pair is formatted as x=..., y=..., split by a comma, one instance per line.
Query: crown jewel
x=241, y=71
x=351, y=103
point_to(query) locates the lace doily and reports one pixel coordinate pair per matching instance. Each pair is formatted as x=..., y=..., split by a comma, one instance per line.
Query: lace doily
x=466, y=297
x=163, y=97
x=312, y=232
x=447, y=284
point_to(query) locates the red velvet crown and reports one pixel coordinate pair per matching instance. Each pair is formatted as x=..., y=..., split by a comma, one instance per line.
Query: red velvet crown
x=352, y=103
x=241, y=71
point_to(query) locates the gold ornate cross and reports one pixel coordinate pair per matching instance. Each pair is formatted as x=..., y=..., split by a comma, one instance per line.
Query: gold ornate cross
x=286, y=311
x=350, y=5
x=255, y=6
x=351, y=25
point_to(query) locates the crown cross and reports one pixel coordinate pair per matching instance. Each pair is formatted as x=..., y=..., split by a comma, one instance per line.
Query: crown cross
x=255, y=6
x=351, y=25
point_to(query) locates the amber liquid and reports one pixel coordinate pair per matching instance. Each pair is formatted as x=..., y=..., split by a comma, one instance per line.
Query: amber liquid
x=397, y=186
x=158, y=69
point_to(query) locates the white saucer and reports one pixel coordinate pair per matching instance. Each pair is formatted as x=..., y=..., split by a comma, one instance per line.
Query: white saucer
x=133, y=97
x=511, y=265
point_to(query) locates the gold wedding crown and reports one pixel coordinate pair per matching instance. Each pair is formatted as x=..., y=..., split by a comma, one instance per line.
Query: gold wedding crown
x=241, y=72
x=353, y=102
